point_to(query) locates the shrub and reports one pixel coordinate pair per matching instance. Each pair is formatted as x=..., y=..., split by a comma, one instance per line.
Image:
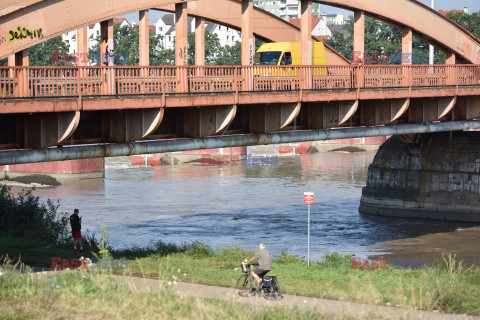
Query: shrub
x=25, y=216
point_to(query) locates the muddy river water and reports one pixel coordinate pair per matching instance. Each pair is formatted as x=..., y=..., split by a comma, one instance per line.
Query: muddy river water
x=244, y=205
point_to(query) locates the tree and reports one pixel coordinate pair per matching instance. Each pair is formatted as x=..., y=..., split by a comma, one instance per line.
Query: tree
x=126, y=48
x=4, y=62
x=212, y=48
x=383, y=44
x=471, y=22
x=53, y=52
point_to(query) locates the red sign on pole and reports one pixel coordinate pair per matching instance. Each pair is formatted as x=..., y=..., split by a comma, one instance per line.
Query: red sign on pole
x=308, y=197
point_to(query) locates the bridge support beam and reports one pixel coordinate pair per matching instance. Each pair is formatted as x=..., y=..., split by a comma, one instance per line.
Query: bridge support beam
x=199, y=41
x=181, y=34
x=431, y=109
x=49, y=129
x=407, y=40
x=306, y=32
x=435, y=177
x=144, y=38
x=359, y=37
x=133, y=125
x=204, y=122
x=273, y=117
x=248, y=40
x=383, y=112
x=327, y=115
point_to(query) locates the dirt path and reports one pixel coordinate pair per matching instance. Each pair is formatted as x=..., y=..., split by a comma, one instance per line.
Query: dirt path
x=337, y=308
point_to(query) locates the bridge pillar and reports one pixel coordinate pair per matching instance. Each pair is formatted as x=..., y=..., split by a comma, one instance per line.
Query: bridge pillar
x=20, y=59
x=306, y=32
x=407, y=39
x=450, y=58
x=434, y=177
x=248, y=40
x=199, y=41
x=82, y=47
x=144, y=38
x=181, y=34
x=107, y=57
x=359, y=37
x=106, y=43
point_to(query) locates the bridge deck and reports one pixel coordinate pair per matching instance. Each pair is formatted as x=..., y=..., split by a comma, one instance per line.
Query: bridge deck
x=48, y=89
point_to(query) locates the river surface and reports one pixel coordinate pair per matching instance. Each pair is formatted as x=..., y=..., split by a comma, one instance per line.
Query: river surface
x=240, y=205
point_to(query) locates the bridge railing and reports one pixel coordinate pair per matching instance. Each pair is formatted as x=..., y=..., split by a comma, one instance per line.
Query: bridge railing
x=52, y=82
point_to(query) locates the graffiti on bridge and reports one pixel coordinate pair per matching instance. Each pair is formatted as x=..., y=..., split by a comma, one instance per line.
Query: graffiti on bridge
x=21, y=33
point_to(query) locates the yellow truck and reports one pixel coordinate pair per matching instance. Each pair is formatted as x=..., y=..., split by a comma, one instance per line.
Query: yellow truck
x=266, y=77
x=288, y=53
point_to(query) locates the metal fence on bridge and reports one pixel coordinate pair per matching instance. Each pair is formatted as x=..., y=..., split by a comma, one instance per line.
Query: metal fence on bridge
x=56, y=82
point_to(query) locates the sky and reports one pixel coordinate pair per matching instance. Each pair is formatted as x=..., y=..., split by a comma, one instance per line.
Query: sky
x=473, y=6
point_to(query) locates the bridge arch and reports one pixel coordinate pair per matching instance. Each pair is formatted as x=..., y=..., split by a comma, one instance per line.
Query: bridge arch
x=427, y=23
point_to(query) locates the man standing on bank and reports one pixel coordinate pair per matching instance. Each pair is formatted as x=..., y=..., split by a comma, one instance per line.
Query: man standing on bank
x=264, y=263
x=76, y=224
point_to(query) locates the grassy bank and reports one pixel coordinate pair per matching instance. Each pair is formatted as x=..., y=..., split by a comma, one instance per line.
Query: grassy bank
x=80, y=295
x=447, y=286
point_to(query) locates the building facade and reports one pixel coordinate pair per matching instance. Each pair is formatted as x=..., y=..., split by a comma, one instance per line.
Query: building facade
x=286, y=9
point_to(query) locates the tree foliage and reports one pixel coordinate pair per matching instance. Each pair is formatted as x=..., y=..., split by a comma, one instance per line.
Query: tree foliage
x=383, y=42
x=53, y=52
x=126, y=48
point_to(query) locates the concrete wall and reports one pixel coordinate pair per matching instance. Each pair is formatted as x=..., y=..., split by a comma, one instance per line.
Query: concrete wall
x=436, y=178
x=55, y=172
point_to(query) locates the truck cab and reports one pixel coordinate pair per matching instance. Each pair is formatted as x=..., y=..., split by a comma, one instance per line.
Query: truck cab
x=288, y=53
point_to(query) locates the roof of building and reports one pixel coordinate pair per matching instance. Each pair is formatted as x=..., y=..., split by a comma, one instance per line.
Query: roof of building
x=341, y=28
x=168, y=19
x=442, y=12
x=120, y=21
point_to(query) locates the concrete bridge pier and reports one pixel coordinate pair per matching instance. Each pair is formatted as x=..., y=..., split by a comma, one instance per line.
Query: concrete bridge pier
x=430, y=176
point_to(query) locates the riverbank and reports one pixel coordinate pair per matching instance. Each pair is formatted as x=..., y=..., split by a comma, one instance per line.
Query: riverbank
x=446, y=285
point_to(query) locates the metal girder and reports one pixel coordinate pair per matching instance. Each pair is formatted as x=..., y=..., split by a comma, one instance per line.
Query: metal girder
x=273, y=117
x=133, y=125
x=425, y=21
x=203, y=122
x=46, y=19
x=49, y=129
x=150, y=147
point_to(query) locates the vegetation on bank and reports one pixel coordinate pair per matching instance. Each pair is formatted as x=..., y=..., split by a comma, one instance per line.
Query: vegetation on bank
x=82, y=295
x=448, y=285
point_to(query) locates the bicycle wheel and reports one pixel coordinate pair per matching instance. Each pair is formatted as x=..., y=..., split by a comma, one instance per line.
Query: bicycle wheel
x=272, y=293
x=244, y=286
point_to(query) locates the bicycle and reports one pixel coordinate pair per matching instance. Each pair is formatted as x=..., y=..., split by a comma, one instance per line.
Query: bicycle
x=247, y=286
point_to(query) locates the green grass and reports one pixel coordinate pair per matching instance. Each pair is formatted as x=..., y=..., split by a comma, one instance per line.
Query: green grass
x=80, y=295
x=447, y=286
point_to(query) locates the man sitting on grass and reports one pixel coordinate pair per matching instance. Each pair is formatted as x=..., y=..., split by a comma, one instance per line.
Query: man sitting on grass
x=76, y=224
x=264, y=263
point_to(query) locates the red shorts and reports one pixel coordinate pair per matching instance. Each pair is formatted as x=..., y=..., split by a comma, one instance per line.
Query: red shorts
x=76, y=235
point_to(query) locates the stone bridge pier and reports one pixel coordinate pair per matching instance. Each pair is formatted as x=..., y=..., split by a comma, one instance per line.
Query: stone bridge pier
x=430, y=176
